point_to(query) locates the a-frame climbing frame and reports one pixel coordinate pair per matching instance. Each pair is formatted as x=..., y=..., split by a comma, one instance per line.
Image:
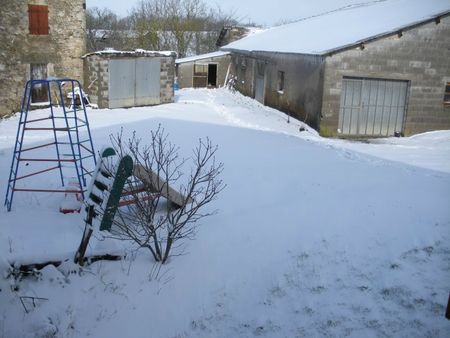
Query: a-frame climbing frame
x=65, y=120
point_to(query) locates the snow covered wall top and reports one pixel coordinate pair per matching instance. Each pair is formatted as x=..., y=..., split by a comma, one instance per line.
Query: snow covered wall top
x=342, y=27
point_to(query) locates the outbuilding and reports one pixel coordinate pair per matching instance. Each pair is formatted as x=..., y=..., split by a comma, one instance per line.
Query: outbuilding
x=374, y=69
x=115, y=79
x=206, y=70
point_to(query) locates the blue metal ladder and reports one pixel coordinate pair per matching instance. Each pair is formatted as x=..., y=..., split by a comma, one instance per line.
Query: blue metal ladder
x=67, y=123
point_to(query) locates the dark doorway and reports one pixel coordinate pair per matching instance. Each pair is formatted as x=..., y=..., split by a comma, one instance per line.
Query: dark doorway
x=39, y=92
x=212, y=75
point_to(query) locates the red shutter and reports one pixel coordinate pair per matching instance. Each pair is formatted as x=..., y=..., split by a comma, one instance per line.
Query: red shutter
x=38, y=19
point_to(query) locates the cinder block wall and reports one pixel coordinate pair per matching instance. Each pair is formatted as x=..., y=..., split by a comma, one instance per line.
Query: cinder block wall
x=421, y=56
x=167, y=78
x=61, y=49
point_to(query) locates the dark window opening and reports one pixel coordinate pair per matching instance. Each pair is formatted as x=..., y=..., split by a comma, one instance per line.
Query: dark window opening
x=39, y=92
x=38, y=19
x=212, y=75
x=280, y=81
x=447, y=94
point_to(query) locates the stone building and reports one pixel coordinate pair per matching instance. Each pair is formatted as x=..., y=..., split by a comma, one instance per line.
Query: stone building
x=116, y=79
x=373, y=69
x=206, y=70
x=38, y=39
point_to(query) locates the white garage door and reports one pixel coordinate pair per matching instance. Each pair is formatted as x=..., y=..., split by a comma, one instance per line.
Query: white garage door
x=372, y=107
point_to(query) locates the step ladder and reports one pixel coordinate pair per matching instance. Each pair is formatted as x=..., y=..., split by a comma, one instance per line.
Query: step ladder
x=65, y=121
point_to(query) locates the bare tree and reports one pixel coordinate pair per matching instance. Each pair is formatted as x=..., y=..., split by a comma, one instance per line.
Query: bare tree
x=185, y=26
x=164, y=205
x=106, y=29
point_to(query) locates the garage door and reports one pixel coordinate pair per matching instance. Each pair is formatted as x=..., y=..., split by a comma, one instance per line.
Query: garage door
x=372, y=107
x=134, y=82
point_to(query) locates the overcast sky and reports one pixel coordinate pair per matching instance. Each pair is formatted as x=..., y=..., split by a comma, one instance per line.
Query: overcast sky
x=261, y=12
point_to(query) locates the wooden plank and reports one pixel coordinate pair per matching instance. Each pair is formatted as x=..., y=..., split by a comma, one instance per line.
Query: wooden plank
x=158, y=185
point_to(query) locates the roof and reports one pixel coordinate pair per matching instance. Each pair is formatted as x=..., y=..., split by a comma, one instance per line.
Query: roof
x=343, y=27
x=137, y=52
x=201, y=57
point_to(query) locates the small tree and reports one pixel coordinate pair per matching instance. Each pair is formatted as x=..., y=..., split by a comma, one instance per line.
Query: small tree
x=152, y=220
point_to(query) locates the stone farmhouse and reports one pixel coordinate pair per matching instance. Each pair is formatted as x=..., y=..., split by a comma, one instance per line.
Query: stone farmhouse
x=375, y=69
x=39, y=39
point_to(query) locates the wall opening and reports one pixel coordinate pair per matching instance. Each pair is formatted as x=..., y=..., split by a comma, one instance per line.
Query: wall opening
x=39, y=92
x=212, y=75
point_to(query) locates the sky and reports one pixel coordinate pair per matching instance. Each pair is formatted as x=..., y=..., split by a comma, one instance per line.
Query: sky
x=261, y=12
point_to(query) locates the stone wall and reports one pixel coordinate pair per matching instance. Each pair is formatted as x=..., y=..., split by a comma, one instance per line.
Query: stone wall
x=61, y=49
x=420, y=55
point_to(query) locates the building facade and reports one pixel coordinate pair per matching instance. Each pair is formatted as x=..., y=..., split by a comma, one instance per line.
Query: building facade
x=393, y=81
x=39, y=39
x=115, y=79
x=203, y=71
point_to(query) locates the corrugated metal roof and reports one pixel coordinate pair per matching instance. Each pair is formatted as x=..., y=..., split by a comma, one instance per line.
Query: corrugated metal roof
x=201, y=57
x=343, y=27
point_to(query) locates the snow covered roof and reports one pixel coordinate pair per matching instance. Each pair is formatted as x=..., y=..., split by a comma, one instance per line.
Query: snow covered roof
x=137, y=52
x=343, y=27
x=202, y=56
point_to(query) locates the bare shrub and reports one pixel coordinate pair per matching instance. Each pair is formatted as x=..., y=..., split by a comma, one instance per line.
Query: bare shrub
x=165, y=205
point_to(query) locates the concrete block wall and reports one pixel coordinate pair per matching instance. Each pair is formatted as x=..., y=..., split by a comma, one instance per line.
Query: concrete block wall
x=420, y=55
x=167, y=79
x=61, y=49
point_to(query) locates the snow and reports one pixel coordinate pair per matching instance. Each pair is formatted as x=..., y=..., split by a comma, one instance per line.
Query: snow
x=313, y=237
x=202, y=57
x=136, y=52
x=343, y=27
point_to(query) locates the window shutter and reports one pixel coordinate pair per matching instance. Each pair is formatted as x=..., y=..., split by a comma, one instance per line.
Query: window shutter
x=38, y=19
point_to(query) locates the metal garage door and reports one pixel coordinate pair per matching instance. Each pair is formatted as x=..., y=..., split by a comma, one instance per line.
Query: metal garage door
x=134, y=82
x=372, y=107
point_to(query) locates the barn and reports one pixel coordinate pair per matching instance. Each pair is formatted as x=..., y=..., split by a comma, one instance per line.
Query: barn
x=116, y=79
x=206, y=70
x=365, y=70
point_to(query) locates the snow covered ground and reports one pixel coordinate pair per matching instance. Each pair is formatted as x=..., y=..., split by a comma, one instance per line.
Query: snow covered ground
x=313, y=237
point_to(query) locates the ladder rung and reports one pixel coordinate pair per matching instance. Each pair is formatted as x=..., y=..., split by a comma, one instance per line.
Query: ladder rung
x=49, y=190
x=37, y=120
x=36, y=173
x=55, y=129
x=41, y=146
x=44, y=160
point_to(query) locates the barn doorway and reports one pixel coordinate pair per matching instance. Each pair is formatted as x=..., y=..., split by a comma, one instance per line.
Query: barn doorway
x=212, y=75
x=372, y=107
x=39, y=92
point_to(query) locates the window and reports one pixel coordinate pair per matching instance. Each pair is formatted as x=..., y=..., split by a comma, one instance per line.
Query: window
x=200, y=78
x=280, y=81
x=447, y=94
x=38, y=19
x=200, y=70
